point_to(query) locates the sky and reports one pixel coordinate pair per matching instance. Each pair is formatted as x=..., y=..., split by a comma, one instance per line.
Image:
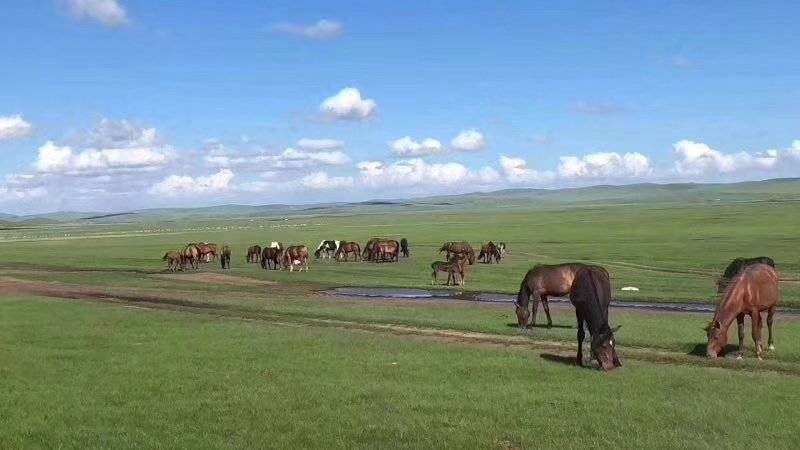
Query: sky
x=113, y=105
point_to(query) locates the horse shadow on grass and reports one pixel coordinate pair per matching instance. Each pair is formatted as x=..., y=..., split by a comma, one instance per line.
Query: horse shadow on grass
x=700, y=349
x=568, y=361
x=539, y=325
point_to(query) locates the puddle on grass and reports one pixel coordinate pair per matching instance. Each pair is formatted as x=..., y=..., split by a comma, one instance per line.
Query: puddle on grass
x=492, y=297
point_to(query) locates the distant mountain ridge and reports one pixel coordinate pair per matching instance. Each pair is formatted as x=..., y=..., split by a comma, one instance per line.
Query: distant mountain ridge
x=781, y=188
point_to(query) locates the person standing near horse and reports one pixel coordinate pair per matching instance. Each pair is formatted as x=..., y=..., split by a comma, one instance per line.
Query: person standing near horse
x=753, y=290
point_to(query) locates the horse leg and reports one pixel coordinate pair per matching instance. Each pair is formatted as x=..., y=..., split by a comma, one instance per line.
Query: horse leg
x=534, y=307
x=581, y=336
x=770, y=314
x=755, y=319
x=740, y=324
x=547, y=311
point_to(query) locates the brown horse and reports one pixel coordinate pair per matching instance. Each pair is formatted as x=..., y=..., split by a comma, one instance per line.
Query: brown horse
x=271, y=257
x=295, y=255
x=174, y=260
x=454, y=269
x=253, y=254
x=208, y=252
x=367, y=254
x=385, y=250
x=590, y=293
x=225, y=257
x=462, y=249
x=191, y=256
x=754, y=290
x=539, y=283
x=346, y=249
x=488, y=252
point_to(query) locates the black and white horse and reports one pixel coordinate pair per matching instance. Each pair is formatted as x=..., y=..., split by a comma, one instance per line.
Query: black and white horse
x=327, y=249
x=501, y=247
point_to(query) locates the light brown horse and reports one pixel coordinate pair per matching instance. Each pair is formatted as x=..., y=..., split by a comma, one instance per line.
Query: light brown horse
x=253, y=254
x=295, y=255
x=191, y=255
x=367, y=254
x=271, y=257
x=174, y=260
x=590, y=294
x=385, y=250
x=488, y=252
x=455, y=270
x=346, y=249
x=208, y=252
x=539, y=283
x=754, y=290
x=462, y=249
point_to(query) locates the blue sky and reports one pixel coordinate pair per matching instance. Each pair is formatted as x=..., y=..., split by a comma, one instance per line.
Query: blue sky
x=117, y=104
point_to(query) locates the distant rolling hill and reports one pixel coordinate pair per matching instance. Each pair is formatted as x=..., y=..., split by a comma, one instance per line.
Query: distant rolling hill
x=768, y=190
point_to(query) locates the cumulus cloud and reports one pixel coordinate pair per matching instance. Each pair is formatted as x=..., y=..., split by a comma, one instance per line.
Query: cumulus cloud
x=516, y=170
x=604, y=165
x=14, y=127
x=53, y=158
x=697, y=158
x=320, y=30
x=348, y=105
x=408, y=147
x=181, y=185
x=412, y=172
x=794, y=150
x=107, y=12
x=468, y=141
x=321, y=180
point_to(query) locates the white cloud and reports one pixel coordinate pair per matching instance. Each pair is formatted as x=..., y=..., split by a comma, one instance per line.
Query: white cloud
x=320, y=30
x=794, y=150
x=604, y=165
x=516, y=170
x=107, y=12
x=14, y=127
x=321, y=180
x=109, y=133
x=62, y=159
x=320, y=144
x=348, y=105
x=408, y=147
x=290, y=158
x=412, y=172
x=697, y=158
x=178, y=185
x=468, y=141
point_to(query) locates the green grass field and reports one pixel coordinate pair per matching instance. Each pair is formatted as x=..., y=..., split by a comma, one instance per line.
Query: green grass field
x=99, y=349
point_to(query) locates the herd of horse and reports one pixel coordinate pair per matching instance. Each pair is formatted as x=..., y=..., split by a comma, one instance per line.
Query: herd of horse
x=748, y=286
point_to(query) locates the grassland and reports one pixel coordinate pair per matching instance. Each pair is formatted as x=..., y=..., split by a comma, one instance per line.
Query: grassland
x=99, y=348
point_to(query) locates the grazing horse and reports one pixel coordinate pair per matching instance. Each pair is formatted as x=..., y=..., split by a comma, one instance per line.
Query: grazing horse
x=326, y=249
x=753, y=290
x=386, y=250
x=590, y=293
x=174, y=260
x=539, y=283
x=208, y=252
x=501, y=247
x=225, y=257
x=462, y=249
x=190, y=255
x=346, y=249
x=455, y=270
x=295, y=255
x=271, y=258
x=253, y=254
x=736, y=266
x=404, y=248
x=489, y=251
x=367, y=254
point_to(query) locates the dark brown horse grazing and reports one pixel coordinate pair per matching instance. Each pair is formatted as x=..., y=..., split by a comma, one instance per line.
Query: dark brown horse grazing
x=590, y=293
x=174, y=260
x=455, y=270
x=462, y=249
x=253, y=254
x=404, y=248
x=295, y=255
x=271, y=258
x=539, y=283
x=488, y=252
x=225, y=257
x=736, y=266
x=754, y=290
x=346, y=249
x=385, y=250
x=367, y=254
